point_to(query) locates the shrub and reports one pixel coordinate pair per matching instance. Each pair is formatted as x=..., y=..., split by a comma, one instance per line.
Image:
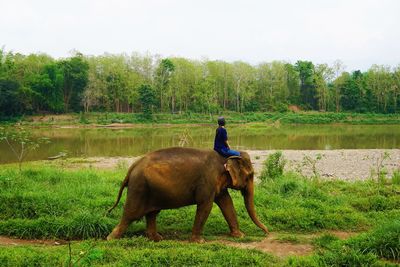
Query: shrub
x=273, y=166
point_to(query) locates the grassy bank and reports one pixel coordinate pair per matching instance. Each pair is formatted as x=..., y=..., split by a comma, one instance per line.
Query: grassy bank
x=379, y=247
x=47, y=202
x=105, y=118
x=133, y=252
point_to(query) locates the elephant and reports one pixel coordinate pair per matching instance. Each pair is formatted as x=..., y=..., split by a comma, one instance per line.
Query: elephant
x=176, y=177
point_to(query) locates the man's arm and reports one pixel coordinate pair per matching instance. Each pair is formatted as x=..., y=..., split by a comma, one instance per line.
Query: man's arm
x=226, y=139
x=227, y=144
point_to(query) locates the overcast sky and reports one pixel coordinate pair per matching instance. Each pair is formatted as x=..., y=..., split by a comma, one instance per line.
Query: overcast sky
x=358, y=32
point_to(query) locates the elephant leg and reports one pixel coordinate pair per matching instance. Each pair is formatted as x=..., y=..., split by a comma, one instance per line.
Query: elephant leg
x=120, y=229
x=225, y=203
x=202, y=212
x=132, y=212
x=151, y=226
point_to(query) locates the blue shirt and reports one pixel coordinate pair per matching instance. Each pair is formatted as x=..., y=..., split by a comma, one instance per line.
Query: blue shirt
x=221, y=136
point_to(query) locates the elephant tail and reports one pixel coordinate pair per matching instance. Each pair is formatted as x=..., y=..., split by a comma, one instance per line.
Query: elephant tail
x=123, y=185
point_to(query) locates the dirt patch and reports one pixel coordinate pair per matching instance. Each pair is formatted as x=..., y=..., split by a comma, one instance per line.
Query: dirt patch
x=342, y=235
x=275, y=247
x=7, y=241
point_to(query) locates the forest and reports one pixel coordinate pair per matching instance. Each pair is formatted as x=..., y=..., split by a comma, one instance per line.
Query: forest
x=39, y=84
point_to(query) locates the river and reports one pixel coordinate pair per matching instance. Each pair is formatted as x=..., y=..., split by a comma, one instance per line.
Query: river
x=90, y=142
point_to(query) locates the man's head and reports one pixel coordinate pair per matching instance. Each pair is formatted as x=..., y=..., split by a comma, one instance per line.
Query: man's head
x=221, y=121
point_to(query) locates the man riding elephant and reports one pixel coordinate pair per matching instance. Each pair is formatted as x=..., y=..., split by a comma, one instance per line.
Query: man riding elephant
x=176, y=177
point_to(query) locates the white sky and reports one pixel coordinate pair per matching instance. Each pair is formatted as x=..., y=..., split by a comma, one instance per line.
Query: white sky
x=358, y=32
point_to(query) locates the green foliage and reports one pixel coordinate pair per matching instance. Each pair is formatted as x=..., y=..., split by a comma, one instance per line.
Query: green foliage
x=307, y=83
x=37, y=83
x=163, y=77
x=10, y=104
x=273, y=166
x=75, y=72
x=147, y=100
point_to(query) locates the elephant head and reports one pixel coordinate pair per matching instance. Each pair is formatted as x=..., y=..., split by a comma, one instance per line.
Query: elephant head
x=241, y=171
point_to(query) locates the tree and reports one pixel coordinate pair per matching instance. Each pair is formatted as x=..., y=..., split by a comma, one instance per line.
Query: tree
x=379, y=80
x=346, y=86
x=293, y=84
x=75, y=71
x=9, y=98
x=9, y=86
x=307, y=85
x=163, y=75
x=183, y=81
x=47, y=84
x=396, y=87
x=272, y=83
x=147, y=100
x=338, y=68
x=323, y=75
x=243, y=77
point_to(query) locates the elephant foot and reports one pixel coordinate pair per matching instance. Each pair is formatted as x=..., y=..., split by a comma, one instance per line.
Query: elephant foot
x=156, y=237
x=237, y=234
x=111, y=237
x=197, y=239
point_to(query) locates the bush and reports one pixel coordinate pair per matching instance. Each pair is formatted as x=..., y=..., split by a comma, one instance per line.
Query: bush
x=273, y=166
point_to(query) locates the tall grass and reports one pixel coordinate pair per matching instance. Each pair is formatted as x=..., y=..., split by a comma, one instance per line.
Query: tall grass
x=383, y=242
x=48, y=202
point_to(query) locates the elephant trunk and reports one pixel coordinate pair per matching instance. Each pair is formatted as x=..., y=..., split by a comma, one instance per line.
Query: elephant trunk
x=248, y=194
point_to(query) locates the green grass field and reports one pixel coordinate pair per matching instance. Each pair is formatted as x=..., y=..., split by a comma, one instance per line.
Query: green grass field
x=52, y=202
x=103, y=118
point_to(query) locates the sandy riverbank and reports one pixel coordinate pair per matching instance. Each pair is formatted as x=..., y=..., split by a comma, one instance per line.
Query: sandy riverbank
x=346, y=164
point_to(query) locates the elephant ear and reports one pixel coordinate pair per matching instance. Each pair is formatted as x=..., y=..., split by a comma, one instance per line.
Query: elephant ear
x=233, y=168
